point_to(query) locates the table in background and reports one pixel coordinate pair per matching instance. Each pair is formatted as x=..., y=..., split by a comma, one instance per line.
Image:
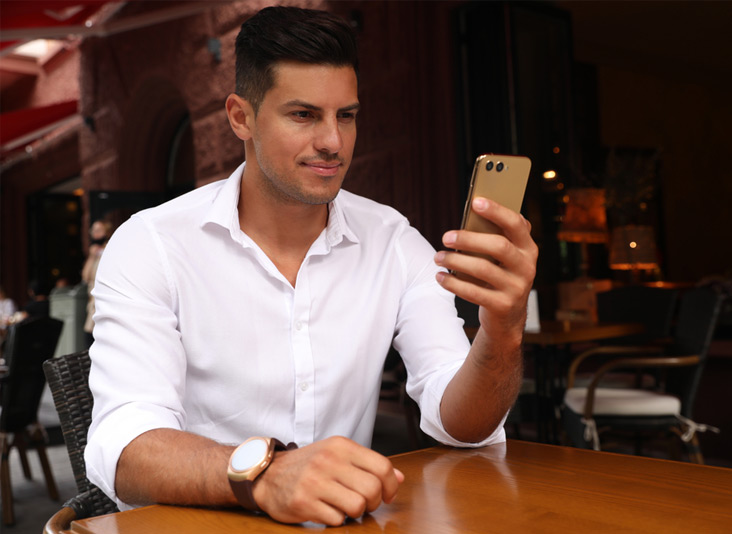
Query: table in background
x=551, y=343
x=510, y=487
x=552, y=357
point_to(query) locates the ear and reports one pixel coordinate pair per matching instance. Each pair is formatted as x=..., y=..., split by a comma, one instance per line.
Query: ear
x=241, y=116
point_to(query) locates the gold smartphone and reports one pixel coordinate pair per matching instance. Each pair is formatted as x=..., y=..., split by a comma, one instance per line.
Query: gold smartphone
x=500, y=178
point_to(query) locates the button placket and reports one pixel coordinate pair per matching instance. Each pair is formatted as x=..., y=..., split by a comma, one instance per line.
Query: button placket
x=303, y=360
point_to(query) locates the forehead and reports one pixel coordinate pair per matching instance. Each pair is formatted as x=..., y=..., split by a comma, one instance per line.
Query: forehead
x=326, y=84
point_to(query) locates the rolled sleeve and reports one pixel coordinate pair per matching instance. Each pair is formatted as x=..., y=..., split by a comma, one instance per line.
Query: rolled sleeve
x=431, y=340
x=137, y=375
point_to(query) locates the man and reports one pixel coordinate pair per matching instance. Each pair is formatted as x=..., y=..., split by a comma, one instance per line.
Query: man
x=264, y=305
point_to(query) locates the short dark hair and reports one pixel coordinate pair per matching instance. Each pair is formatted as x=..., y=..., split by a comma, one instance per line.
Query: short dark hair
x=282, y=33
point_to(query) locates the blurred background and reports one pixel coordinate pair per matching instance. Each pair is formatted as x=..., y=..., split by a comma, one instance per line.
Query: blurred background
x=623, y=107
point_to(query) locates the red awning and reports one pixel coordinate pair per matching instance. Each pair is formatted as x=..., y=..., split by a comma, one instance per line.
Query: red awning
x=26, y=18
x=26, y=125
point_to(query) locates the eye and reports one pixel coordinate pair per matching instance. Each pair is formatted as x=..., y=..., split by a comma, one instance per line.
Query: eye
x=302, y=114
x=347, y=116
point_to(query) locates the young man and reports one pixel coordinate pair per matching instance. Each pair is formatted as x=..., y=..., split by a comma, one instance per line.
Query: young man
x=264, y=306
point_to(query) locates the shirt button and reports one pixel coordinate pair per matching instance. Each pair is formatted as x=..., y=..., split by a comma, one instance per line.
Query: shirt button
x=304, y=386
x=298, y=325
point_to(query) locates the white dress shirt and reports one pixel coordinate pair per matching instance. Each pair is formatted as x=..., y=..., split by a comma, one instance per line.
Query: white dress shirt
x=196, y=329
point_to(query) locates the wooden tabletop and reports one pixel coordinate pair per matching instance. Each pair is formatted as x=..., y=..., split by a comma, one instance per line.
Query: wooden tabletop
x=514, y=487
x=564, y=332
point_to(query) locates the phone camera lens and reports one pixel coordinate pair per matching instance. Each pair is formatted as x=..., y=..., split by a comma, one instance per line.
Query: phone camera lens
x=499, y=166
x=489, y=166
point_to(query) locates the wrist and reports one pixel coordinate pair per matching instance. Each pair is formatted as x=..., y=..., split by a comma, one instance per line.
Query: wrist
x=247, y=464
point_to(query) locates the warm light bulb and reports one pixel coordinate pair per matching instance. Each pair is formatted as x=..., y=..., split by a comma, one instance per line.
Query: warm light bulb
x=633, y=244
x=550, y=175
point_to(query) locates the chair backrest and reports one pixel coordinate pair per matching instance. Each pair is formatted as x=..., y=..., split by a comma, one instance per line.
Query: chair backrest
x=68, y=379
x=28, y=345
x=654, y=307
x=695, y=325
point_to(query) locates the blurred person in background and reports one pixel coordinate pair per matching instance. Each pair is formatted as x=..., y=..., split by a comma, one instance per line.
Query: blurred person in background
x=38, y=304
x=7, y=308
x=99, y=233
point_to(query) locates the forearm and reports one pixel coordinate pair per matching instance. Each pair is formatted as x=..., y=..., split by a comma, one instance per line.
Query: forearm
x=484, y=388
x=174, y=467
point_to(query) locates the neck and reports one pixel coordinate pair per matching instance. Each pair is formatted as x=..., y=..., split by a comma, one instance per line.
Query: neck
x=284, y=229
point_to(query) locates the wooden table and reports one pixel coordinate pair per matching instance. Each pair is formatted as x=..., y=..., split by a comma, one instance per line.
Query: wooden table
x=514, y=487
x=565, y=332
x=553, y=333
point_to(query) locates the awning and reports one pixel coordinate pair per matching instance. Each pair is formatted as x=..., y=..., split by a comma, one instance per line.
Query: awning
x=21, y=127
x=31, y=19
x=57, y=19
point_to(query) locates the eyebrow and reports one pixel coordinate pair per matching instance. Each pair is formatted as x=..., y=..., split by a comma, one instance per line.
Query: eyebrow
x=301, y=103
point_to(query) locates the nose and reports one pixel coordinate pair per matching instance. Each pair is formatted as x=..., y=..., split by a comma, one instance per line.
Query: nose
x=328, y=138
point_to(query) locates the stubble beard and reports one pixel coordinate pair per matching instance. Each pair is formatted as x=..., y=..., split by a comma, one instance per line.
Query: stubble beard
x=289, y=191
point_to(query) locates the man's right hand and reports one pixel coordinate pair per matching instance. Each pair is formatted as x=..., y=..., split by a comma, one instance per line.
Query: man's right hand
x=326, y=482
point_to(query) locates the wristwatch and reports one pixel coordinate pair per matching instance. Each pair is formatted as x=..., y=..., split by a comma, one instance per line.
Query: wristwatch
x=247, y=462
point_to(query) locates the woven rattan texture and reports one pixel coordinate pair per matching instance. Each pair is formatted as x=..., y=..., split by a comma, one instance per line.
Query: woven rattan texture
x=68, y=379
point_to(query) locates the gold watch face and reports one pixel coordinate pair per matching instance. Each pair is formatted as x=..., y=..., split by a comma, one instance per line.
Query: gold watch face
x=250, y=458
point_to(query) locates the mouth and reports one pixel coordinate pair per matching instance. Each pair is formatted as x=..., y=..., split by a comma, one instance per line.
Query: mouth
x=323, y=168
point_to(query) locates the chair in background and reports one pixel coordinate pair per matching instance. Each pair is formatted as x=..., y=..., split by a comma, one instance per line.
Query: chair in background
x=28, y=344
x=666, y=411
x=68, y=378
x=654, y=307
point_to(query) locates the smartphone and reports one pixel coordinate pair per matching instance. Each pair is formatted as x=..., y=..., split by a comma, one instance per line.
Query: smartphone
x=500, y=178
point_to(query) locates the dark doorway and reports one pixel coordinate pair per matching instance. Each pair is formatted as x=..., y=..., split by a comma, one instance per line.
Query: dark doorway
x=55, y=238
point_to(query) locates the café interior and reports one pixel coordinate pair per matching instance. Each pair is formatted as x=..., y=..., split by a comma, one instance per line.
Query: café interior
x=110, y=107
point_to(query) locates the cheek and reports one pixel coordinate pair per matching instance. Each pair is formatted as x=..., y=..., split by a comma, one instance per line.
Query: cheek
x=349, y=142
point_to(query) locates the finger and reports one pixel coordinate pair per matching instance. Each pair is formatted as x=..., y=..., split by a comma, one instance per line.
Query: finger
x=326, y=514
x=497, y=300
x=400, y=478
x=361, y=492
x=301, y=507
x=492, y=247
x=485, y=272
x=514, y=225
x=380, y=467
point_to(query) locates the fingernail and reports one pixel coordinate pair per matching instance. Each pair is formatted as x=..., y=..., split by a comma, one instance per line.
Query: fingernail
x=480, y=203
x=440, y=257
x=449, y=238
x=440, y=277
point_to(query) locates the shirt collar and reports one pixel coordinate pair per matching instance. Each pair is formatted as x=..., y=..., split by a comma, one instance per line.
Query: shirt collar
x=337, y=228
x=224, y=212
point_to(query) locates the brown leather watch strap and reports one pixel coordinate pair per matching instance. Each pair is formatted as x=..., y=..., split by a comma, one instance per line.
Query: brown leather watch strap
x=243, y=489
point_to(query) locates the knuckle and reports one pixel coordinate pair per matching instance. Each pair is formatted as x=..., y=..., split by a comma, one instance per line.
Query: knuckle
x=298, y=501
x=357, y=507
x=334, y=519
x=503, y=246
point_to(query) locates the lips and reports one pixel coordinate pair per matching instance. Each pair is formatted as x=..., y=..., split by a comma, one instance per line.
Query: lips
x=324, y=168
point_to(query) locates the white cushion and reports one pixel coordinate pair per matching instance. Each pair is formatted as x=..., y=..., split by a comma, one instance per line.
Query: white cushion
x=611, y=401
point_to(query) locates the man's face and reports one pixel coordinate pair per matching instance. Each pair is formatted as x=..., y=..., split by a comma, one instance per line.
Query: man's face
x=304, y=132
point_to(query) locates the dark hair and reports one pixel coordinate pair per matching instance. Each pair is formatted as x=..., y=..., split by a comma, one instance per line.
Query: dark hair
x=289, y=34
x=39, y=288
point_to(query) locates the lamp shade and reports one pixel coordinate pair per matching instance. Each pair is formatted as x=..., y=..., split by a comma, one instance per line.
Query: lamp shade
x=585, y=219
x=633, y=248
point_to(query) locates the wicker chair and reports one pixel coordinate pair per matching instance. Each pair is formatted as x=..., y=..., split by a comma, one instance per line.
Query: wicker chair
x=68, y=379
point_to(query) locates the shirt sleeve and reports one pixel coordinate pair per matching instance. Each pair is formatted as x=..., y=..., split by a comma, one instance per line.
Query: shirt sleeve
x=138, y=367
x=431, y=339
